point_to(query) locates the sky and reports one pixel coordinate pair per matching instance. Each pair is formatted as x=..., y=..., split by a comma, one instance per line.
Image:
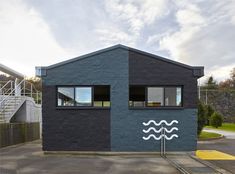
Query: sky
x=41, y=33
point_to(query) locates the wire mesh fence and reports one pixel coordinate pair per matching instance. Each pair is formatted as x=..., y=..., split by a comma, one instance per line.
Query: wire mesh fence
x=223, y=101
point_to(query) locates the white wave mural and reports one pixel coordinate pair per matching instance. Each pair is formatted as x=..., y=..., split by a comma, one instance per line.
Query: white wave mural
x=162, y=130
x=160, y=123
x=161, y=136
x=159, y=130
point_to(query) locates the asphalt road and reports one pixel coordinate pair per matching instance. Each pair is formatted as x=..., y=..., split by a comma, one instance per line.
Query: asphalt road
x=226, y=145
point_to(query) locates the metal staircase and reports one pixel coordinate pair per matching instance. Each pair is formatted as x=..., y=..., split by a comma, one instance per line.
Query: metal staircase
x=11, y=99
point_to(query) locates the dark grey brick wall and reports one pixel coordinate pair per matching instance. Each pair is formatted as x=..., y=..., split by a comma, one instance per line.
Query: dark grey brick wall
x=83, y=129
x=117, y=129
x=145, y=70
x=72, y=129
x=126, y=133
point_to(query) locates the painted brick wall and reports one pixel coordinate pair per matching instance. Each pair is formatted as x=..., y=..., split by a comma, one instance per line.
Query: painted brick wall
x=144, y=70
x=127, y=126
x=117, y=129
x=83, y=129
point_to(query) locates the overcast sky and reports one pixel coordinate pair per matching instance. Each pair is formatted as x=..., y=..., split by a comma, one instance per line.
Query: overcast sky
x=195, y=32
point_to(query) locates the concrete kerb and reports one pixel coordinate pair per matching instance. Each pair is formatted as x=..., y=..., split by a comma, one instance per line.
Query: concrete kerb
x=211, y=139
x=101, y=153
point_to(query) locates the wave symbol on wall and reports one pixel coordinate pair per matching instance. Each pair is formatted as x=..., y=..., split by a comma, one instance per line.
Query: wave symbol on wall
x=161, y=136
x=158, y=124
x=161, y=130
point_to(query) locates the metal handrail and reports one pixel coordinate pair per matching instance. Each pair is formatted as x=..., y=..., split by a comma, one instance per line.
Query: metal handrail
x=11, y=92
x=2, y=88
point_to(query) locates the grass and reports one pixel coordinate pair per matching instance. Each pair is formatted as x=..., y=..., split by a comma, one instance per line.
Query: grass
x=225, y=126
x=208, y=135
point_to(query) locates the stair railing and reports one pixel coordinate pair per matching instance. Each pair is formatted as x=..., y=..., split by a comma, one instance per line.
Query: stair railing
x=4, y=101
x=22, y=87
x=4, y=90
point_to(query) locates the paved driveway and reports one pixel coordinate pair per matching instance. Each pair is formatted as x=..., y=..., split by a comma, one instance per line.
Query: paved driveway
x=226, y=145
x=29, y=159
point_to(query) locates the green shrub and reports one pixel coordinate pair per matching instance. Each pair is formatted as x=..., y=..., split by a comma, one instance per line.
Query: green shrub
x=216, y=120
x=201, y=119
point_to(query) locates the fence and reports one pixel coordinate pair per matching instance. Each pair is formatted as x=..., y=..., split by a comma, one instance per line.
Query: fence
x=223, y=101
x=15, y=133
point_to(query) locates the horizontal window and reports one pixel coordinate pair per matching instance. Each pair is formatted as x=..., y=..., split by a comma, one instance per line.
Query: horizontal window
x=83, y=96
x=144, y=96
x=155, y=96
x=65, y=96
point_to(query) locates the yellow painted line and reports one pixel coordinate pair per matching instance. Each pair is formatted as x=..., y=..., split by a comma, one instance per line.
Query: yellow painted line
x=213, y=155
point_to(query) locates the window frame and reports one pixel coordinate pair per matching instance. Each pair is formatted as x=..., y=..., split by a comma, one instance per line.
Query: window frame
x=81, y=107
x=158, y=107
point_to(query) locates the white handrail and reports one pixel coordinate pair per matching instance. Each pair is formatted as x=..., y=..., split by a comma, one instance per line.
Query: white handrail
x=10, y=93
x=2, y=88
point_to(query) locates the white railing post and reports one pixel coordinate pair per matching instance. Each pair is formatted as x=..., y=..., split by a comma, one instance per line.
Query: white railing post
x=11, y=86
x=31, y=89
x=37, y=97
x=24, y=88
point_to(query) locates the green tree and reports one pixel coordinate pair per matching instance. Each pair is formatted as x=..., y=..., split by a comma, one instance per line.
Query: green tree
x=211, y=83
x=216, y=120
x=208, y=113
x=201, y=119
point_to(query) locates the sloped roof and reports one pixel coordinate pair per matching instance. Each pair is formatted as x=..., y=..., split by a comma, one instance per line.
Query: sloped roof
x=199, y=70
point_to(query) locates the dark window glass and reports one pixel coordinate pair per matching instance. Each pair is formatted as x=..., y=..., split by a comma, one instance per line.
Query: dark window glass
x=155, y=96
x=65, y=96
x=173, y=96
x=102, y=96
x=137, y=96
x=83, y=96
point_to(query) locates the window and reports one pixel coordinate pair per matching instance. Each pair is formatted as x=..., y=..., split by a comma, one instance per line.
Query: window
x=83, y=96
x=137, y=96
x=65, y=96
x=172, y=96
x=153, y=96
x=102, y=96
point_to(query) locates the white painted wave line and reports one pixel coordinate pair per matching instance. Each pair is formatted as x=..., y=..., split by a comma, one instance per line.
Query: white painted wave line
x=159, y=130
x=161, y=136
x=159, y=123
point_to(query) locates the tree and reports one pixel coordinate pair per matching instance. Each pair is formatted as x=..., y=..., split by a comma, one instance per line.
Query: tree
x=211, y=83
x=201, y=119
x=216, y=120
x=36, y=82
x=228, y=83
x=208, y=113
x=232, y=77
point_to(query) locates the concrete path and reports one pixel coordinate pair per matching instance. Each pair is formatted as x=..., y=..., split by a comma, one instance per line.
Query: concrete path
x=227, y=134
x=29, y=159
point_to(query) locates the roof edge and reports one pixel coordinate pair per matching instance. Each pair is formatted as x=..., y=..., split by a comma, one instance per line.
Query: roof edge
x=198, y=71
x=86, y=55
